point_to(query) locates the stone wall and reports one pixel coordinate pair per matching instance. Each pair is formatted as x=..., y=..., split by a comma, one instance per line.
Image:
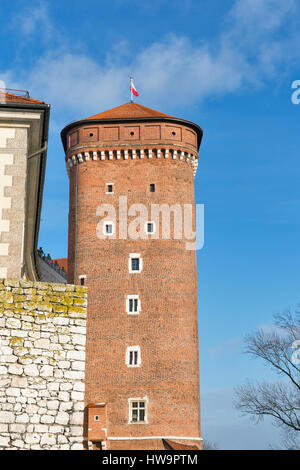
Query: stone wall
x=42, y=365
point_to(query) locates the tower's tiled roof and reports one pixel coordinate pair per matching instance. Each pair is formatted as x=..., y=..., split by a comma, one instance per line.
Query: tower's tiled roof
x=129, y=110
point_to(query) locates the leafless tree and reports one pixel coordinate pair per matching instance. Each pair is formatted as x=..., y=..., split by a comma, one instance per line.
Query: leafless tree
x=207, y=445
x=279, y=349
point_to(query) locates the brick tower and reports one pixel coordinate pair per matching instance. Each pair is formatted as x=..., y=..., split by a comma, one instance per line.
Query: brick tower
x=142, y=364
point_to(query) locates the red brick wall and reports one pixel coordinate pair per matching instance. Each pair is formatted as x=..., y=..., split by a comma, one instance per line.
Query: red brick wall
x=96, y=135
x=96, y=429
x=166, y=328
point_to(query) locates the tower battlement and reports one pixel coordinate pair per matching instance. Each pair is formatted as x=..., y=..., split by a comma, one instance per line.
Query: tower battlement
x=131, y=131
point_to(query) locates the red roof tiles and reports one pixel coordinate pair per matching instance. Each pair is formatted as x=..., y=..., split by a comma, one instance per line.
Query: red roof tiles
x=62, y=263
x=176, y=446
x=12, y=98
x=129, y=110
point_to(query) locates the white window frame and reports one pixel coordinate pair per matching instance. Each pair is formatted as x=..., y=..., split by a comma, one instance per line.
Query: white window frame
x=132, y=256
x=109, y=184
x=133, y=297
x=154, y=227
x=132, y=400
x=133, y=349
x=108, y=222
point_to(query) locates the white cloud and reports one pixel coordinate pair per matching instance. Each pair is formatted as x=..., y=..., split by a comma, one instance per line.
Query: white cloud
x=174, y=70
x=260, y=17
x=32, y=19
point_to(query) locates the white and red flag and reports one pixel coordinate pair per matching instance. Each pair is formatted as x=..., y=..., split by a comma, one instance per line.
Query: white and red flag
x=133, y=90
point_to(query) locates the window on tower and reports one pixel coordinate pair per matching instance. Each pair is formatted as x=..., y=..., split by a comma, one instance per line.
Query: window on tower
x=137, y=411
x=152, y=188
x=133, y=356
x=133, y=304
x=150, y=227
x=109, y=188
x=135, y=263
x=108, y=228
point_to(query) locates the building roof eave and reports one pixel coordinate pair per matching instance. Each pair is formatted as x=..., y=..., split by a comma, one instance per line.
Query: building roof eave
x=73, y=124
x=35, y=184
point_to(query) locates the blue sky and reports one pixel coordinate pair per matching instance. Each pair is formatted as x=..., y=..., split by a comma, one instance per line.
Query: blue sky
x=228, y=66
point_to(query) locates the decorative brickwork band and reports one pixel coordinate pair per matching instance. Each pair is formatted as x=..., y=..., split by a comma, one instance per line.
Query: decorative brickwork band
x=133, y=154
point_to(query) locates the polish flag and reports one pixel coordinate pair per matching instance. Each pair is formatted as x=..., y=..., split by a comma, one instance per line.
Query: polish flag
x=133, y=90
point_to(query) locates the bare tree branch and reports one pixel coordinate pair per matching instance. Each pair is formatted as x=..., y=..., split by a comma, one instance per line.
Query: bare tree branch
x=279, y=400
x=207, y=445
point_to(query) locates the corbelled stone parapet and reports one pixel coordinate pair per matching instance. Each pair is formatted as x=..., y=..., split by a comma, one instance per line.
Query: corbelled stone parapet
x=42, y=365
x=133, y=154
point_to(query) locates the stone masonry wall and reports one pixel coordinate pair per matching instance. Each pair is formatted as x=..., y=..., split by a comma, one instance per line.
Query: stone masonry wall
x=42, y=365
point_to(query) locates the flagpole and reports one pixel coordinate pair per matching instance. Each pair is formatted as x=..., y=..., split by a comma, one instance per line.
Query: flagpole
x=131, y=96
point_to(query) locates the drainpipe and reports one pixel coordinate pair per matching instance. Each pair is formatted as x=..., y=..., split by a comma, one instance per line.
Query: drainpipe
x=76, y=203
x=38, y=152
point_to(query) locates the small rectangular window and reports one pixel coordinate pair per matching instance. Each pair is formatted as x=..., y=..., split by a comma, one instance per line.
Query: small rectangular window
x=137, y=411
x=135, y=263
x=82, y=281
x=109, y=188
x=152, y=188
x=150, y=227
x=133, y=356
x=108, y=228
x=133, y=304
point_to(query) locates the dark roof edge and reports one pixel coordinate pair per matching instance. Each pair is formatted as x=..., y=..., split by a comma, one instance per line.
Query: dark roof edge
x=43, y=157
x=30, y=257
x=136, y=119
x=18, y=104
